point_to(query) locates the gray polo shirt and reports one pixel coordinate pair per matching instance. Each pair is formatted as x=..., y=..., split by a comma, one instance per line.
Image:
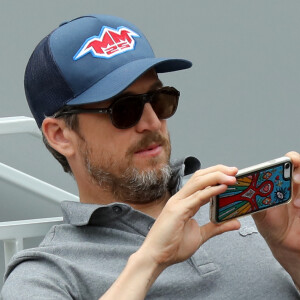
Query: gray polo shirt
x=82, y=258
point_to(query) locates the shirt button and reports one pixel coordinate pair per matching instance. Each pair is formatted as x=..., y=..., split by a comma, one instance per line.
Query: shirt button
x=150, y=225
x=117, y=210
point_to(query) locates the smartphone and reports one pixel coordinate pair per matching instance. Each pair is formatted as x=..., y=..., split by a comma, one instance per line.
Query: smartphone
x=257, y=188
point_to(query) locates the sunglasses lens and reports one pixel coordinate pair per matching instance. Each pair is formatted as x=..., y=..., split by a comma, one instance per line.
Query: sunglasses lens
x=165, y=104
x=127, y=112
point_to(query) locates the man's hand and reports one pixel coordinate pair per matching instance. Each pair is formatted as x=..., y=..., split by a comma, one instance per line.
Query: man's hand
x=280, y=226
x=174, y=236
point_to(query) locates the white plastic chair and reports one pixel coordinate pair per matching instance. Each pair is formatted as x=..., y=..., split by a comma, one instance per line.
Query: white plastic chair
x=13, y=233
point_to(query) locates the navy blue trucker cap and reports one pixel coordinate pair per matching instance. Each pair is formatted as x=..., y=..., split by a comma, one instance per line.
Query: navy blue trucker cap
x=87, y=60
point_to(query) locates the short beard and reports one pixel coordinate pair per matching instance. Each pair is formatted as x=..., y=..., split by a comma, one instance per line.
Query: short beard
x=133, y=186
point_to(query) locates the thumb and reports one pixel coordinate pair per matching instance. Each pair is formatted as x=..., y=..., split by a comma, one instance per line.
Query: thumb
x=210, y=229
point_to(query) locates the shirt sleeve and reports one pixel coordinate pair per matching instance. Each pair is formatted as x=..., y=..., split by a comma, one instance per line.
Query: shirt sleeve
x=35, y=279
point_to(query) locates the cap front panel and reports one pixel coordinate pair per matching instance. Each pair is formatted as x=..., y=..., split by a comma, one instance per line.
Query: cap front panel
x=88, y=49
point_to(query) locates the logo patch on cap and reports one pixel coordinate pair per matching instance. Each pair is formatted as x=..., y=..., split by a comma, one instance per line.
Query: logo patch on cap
x=109, y=43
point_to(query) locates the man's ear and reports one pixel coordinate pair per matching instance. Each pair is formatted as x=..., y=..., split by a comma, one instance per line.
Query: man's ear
x=59, y=136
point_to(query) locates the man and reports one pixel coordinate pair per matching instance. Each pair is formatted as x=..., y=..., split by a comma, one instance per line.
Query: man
x=93, y=89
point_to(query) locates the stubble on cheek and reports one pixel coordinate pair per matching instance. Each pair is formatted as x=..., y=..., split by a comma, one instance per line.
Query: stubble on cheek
x=102, y=162
x=127, y=182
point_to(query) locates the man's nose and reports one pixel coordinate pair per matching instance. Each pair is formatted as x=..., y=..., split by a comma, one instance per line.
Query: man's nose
x=149, y=120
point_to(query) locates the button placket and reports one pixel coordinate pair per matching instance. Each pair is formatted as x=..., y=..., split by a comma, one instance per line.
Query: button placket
x=203, y=263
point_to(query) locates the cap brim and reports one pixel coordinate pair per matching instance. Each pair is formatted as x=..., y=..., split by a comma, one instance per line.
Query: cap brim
x=118, y=80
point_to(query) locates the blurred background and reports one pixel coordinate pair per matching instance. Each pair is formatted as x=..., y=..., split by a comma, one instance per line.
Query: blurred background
x=240, y=100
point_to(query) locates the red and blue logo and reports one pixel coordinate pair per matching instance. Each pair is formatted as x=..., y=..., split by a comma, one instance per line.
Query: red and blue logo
x=109, y=43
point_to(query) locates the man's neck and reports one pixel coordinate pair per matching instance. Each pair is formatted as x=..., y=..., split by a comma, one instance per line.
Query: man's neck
x=152, y=209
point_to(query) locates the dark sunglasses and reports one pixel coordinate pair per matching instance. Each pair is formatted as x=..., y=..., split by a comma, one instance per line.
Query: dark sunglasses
x=126, y=111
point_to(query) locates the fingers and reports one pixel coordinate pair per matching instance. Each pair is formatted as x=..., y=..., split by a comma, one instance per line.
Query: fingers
x=175, y=236
x=201, y=197
x=200, y=188
x=296, y=188
x=295, y=157
x=296, y=176
x=221, y=168
x=207, y=178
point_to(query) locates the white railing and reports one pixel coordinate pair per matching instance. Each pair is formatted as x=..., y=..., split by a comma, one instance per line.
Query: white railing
x=33, y=185
x=14, y=232
x=12, y=125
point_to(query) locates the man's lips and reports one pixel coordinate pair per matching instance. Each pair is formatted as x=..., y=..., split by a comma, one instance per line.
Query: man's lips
x=151, y=150
x=152, y=143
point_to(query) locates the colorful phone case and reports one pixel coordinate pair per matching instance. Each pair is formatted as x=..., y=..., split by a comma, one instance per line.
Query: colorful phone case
x=253, y=192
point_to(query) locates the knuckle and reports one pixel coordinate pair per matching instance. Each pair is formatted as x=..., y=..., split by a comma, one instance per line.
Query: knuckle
x=220, y=166
x=198, y=194
x=197, y=177
x=219, y=174
x=198, y=173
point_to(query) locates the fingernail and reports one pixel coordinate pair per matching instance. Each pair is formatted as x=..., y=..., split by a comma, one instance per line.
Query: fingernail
x=297, y=202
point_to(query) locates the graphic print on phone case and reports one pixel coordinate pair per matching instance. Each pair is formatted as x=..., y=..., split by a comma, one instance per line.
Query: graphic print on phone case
x=259, y=190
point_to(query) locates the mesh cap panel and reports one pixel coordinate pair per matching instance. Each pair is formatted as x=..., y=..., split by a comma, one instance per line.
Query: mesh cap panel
x=45, y=88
